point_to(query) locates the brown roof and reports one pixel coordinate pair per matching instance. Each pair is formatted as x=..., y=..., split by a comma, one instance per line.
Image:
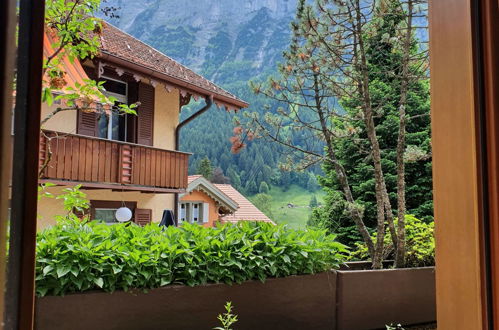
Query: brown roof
x=117, y=44
x=191, y=178
x=246, y=211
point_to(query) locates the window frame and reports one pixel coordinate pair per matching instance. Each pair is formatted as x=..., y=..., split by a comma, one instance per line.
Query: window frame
x=103, y=204
x=121, y=98
x=189, y=212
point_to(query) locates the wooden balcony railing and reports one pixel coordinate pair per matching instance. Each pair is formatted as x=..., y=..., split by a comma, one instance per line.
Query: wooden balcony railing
x=100, y=163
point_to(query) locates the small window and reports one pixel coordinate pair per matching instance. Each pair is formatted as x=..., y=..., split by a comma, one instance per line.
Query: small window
x=106, y=215
x=105, y=210
x=192, y=212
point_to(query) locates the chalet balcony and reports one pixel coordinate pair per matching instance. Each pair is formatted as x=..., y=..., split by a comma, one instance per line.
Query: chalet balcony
x=68, y=159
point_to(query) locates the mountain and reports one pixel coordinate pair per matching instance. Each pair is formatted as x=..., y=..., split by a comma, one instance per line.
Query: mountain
x=206, y=35
x=230, y=42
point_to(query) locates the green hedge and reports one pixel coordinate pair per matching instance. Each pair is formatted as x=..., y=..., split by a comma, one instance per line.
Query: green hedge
x=78, y=257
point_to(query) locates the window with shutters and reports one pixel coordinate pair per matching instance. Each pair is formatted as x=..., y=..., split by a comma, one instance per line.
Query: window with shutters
x=118, y=126
x=113, y=126
x=106, y=210
x=193, y=212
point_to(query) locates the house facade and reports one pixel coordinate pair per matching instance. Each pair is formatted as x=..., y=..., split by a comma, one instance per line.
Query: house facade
x=206, y=203
x=124, y=160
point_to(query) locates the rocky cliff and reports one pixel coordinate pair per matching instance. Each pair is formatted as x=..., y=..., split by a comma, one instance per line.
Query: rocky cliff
x=209, y=35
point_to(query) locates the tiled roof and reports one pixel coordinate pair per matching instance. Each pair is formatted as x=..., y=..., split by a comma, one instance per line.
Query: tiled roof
x=246, y=211
x=191, y=178
x=121, y=45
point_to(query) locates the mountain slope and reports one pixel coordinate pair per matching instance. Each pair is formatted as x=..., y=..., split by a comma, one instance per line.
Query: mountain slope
x=229, y=42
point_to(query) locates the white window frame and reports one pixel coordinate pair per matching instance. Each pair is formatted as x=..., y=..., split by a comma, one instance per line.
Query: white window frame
x=188, y=213
x=108, y=209
x=120, y=98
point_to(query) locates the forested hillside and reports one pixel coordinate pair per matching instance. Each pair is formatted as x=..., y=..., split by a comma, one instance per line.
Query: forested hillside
x=231, y=44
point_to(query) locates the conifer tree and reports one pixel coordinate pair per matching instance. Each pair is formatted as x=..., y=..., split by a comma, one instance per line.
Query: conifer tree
x=384, y=58
x=204, y=168
x=329, y=61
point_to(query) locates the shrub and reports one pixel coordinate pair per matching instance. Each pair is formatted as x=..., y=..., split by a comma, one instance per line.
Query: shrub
x=75, y=256
x=420, y=244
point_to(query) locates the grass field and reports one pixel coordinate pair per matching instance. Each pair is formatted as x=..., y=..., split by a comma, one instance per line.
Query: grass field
x=296, y=216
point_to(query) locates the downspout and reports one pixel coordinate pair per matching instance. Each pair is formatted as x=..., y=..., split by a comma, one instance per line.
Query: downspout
x=209, y=102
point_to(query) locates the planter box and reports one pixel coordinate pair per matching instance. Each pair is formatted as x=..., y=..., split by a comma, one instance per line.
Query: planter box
x=295, y=302
x=370, y=299
x=344, y=300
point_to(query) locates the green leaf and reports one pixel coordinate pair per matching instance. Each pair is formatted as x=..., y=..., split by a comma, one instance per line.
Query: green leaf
x=63, y=270
x=99, y=282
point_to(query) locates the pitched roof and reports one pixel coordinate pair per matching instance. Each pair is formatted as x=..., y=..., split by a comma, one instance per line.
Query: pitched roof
x=198, y=182
x=116, y=44
x=246, y=211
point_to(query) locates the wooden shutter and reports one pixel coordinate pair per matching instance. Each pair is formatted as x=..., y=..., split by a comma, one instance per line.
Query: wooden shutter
x=87, y=123
x=131, y=125
x=145, y=113
x=206, y=212
x=143, y=216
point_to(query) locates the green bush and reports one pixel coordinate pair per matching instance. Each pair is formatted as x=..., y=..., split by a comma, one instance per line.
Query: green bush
x=420, y=244
x=75, y=256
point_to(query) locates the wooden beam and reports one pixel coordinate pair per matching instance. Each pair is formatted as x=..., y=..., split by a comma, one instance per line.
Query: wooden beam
x=457, y=166
x=7, y=63
x=21, y=267
x=114, y=187
x=490, y=81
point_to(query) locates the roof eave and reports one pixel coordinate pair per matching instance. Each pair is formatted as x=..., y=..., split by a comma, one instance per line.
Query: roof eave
x=229, y=203
x=171, y=80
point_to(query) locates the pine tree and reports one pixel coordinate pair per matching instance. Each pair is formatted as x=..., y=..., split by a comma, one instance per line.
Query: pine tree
x=313, y=202
x=204, y=168
x=384, y=63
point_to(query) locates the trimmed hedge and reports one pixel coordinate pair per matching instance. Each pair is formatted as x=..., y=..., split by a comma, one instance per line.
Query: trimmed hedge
x=75, y=257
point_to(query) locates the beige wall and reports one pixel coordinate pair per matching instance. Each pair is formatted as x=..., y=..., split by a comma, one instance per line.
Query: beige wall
x=64, y=121
x=166, y=116
x=49, y=207
x=198, y=196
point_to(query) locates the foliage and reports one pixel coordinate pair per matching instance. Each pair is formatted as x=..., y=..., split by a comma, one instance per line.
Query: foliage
x=420, y=244
x=264, y=203
x=227, y=319
x=332, y=216
x=204, y=168
x=384, y=61
x=75, y=30
x=218, y=176
x=75, y=256
x=264, y=188
x=313, y=202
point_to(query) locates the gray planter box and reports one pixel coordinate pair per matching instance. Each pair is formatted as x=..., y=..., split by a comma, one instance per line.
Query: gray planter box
x=351, y=300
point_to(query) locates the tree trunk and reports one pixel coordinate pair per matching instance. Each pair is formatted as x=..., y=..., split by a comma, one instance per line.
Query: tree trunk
x=341, y=174
x=401, y=202
x=382, y=201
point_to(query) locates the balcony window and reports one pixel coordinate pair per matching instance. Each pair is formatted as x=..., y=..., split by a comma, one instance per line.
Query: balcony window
x=114, y=125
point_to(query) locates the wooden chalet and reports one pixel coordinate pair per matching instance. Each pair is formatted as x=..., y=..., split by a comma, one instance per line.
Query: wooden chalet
x=124, y=159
